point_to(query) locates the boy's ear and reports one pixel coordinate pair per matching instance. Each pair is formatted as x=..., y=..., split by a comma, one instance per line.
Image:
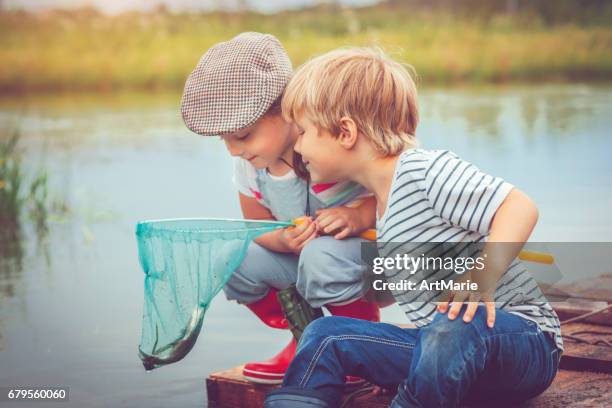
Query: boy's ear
x=348, y=133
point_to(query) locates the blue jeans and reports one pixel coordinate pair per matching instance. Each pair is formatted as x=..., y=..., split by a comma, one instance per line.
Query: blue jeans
x=440, y=365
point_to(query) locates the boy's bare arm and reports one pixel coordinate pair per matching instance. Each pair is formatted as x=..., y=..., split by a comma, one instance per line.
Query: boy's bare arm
x=287, y=240
x=348, y=221
x=511, y=227
x=252, y=210
x=514, y=220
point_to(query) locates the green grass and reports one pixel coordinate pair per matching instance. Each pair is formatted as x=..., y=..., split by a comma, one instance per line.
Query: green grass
x=11, y=181
x=18, y=192
x=88, y=51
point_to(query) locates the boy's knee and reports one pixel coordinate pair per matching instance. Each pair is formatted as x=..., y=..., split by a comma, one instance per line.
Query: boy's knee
x=255, y=262
x=316, y=254
x=323, y=327
x=445, y=332
x=329, y=273
x=445, y=340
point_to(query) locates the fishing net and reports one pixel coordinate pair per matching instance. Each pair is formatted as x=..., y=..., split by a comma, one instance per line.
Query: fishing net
x=186, y=263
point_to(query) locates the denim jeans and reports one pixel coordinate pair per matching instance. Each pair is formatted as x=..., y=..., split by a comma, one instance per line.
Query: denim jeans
x=439, y=365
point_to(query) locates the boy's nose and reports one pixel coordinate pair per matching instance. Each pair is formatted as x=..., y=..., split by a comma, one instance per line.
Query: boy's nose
x=232, y=147
x=297, y=147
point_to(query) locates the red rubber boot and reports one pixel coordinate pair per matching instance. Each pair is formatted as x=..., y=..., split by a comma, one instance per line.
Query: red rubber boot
x=270, y=371
x=358, y=309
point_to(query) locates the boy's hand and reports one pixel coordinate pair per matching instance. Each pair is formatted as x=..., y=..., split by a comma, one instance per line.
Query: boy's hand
x=472, y=299
x=295, y=238
x=340, y=221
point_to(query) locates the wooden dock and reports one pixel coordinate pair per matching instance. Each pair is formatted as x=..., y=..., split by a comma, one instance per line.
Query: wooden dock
x=584, y=378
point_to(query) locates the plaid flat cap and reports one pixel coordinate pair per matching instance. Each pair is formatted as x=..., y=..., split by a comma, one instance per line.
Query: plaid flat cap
x=235, y=83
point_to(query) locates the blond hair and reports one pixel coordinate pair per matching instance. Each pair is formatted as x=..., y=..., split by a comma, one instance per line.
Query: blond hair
x=378, y=93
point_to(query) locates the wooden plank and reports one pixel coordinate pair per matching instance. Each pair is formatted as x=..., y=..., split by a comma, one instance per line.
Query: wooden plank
x=571, y=328
x=576, y=389
x=577, y=307
x=229, y=389
x=598, y=288
x=587, y=357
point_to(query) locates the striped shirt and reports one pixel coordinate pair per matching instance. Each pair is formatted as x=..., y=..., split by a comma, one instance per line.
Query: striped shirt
x=436, y=197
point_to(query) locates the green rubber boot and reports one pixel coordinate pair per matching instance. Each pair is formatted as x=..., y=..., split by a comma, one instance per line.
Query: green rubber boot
x=297, y=311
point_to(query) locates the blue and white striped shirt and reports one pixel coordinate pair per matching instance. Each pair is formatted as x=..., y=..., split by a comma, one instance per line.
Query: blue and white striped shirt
x=436, y=197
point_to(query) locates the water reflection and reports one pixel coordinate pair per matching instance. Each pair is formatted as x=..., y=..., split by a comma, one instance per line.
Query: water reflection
x=11, y=259
x=493, y=114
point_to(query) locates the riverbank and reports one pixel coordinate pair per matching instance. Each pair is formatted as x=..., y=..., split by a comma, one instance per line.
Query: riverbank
x=86, y=50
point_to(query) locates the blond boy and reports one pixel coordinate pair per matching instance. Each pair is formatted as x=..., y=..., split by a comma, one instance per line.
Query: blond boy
x=357, y=114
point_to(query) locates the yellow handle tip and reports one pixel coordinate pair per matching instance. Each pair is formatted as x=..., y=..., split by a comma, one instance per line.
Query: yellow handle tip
x=299, y=220
x=538, y=257
x=370, y=235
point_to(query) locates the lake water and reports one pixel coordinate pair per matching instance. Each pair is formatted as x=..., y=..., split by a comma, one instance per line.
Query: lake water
x=71, y=302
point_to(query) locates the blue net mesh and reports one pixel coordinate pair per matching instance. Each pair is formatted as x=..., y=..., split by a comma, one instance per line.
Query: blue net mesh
x=186, y=262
